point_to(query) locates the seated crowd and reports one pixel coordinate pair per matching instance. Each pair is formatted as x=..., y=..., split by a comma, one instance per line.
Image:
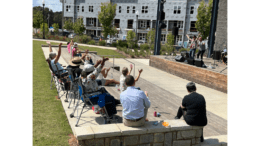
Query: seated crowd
x=134, y=101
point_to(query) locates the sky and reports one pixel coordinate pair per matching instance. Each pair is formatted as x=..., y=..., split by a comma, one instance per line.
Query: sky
x=54, y=5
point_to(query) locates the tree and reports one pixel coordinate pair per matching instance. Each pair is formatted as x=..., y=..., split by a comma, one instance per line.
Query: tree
x=130, y=38
x=169, y=44
x=37, y=20
x=150, y=38
x=46, y=29
x=79, y=27
x=204, y=18
x=106, y=17
x=56, y=28
x=68, y=25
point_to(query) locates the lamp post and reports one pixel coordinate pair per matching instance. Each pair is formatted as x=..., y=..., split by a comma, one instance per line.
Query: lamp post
x=43, y=4
x=136, y=13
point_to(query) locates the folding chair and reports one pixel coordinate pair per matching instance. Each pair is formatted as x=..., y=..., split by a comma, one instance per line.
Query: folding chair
x=73, y=87
x=101, y=102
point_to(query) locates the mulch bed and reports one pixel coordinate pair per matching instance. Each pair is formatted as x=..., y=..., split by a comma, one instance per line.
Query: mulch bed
x=129, y=56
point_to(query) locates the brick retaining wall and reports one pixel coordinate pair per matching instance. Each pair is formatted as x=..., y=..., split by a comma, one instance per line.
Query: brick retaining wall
x=202, y=76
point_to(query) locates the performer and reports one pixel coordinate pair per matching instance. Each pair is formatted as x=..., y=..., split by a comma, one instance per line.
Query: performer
x=193, y=45
x=202, y=48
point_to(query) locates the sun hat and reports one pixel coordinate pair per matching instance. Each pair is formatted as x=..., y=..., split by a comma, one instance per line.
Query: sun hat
x=88, y=68
x=75, y=45
x=76, y=61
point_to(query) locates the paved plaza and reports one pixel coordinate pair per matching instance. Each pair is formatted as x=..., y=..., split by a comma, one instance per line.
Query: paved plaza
x=165, y=93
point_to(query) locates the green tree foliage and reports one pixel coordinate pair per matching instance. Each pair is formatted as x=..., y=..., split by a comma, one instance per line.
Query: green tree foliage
x=46, y=29
x=79, y=27
x=68, y=25
x=150, y=38
x=106, y=17
x=56, y=28
x=130, y=38
x=37, y=20
x=204, y=18
x=169, y=44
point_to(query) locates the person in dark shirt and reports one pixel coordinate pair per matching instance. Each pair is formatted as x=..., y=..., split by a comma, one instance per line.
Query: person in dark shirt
x=193, y=108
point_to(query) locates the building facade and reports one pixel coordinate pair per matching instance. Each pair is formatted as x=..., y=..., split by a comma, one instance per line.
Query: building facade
x=180, y=13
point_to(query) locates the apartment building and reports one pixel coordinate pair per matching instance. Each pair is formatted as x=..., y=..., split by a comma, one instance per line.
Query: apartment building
x=180, y=13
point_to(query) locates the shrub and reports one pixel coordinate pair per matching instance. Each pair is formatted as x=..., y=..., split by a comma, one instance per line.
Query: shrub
x=142, y=53
x=92, y=42
x=144, y=47
x=182, y=49
x=76, y=39
x=131, y=53
x=122, y=43
x=85, y=38
x=125, y=50
x=136, y=53
x=101, y=43
x=114, y=44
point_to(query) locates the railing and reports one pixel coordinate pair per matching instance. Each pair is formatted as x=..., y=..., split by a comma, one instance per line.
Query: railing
x=130, y=26
x=193, y=30
x=117, y=25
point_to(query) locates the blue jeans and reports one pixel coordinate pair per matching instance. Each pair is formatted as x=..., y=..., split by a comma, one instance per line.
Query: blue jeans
x=192, y=53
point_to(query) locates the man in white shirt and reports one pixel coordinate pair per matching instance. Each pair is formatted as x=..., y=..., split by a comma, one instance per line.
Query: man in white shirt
x=135, y=104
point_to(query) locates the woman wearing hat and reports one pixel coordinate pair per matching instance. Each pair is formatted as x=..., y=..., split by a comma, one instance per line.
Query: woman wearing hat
x=76, y=51
x=74, y=65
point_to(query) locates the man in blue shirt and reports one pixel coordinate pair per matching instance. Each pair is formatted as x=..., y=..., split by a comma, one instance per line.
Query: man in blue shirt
x=135, y=104
x=54, y=60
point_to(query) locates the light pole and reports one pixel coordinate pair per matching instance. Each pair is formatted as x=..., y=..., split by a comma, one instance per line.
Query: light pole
x=43, y=4
x=137, y=13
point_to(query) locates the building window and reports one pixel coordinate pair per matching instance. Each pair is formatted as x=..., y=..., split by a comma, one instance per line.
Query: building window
x=191, y=9
x=163, y=37
x=142, y=36
x=77, y=8
x=143, y=23
x=177, y=10
x=82, y=8
x=178, y=24
x=119, y=9
x=133, y=9
x=144, y=9
x=67, y=8
x=91, y=21
x=179, y=38
x=90, y=9
x=127, y=9
x=192, y=26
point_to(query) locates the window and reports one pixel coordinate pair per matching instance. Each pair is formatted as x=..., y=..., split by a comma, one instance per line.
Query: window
x=133, y=9
x=163, y=37
x=142, y=36
x=177, y=10
x=91, y=21
x=191, y=9
x=143, y=23
x=90, y=9
x=82, y=8
x=192, y=26
x=178, y=24
x=179, y=38
x=130, y=24
x=144, y=9
x=128, y=9
x=119, y=9
x=67, y=8
x=77, y=8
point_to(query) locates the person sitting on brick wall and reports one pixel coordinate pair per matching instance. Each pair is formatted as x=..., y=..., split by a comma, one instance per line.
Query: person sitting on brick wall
x=135, y=104
x=193, y=108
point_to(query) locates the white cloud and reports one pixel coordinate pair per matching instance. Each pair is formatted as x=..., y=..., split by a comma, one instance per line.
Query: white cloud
x=54, y=5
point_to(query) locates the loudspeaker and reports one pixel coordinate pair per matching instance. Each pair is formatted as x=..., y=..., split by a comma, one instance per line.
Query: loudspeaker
x=216, y=55
x=190, y=61
x=199, y=62
x=185, y=54
x=175, y=31
x=179, y=58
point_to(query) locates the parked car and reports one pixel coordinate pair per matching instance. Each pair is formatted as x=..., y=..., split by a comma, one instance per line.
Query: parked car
x=140, y=42
x=64, y=33
x=110, y=41
x=72, y=35
x=96, y=38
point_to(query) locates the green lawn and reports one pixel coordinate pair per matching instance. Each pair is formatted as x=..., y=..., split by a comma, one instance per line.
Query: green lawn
x=99, y=50
x=50, y=124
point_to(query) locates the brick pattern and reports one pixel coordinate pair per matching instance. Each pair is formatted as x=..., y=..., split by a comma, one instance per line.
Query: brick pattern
x=221, y=30
x=202, y=76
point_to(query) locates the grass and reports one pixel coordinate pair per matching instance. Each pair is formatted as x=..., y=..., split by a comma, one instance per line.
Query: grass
x=99, y=50
x=50, y=124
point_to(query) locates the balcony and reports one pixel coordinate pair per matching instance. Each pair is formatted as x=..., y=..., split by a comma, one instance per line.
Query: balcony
x=193, y=30
x=117, y=25
x=130, y=26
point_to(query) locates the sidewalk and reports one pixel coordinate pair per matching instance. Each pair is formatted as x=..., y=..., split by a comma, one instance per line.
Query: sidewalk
x=102, y=47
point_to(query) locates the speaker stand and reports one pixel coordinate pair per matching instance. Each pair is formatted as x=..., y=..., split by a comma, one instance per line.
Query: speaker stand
x=223, y=69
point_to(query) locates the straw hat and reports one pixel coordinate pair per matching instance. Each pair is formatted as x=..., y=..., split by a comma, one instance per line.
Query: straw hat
x=76, y=61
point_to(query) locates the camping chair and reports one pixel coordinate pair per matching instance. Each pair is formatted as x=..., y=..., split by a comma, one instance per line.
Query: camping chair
x=101, y=102
x=73, y=87
x=57, y=78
